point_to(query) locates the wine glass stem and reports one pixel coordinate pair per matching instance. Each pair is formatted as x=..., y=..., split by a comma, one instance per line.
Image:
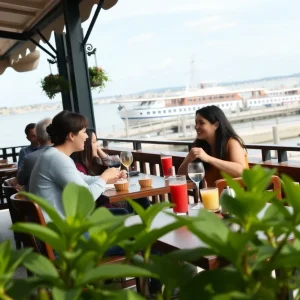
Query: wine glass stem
x=128, y=175
x=198, y=191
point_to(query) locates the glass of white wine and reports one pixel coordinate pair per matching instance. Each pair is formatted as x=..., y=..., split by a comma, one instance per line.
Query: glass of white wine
x=126, y=160
x=196, y=173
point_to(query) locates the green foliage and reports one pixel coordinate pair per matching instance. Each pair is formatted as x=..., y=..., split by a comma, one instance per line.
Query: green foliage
x=254, y=242
x=53, y=84
x=98, y=78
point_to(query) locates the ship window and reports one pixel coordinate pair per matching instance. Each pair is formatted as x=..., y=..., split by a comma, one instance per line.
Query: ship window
x=174, y=109
x=180, y=109
x=141, y=113
x=185, y=109
x=164, y=111
x=189, y=108
x=148, y=112
x=159, y=112
x=170, y=110
x=154, y=112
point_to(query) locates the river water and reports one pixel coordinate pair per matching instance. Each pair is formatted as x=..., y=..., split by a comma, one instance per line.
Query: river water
x=109, y=124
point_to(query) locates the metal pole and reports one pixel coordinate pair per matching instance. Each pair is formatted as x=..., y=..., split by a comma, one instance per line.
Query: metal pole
x=126, y=122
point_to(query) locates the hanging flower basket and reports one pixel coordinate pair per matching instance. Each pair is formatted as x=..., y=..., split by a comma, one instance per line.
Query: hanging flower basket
x=98, y=78
x=53, y=84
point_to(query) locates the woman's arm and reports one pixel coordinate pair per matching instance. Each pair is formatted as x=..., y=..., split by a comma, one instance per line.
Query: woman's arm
x=183, y=169
x=235, y=165
x=102, y=154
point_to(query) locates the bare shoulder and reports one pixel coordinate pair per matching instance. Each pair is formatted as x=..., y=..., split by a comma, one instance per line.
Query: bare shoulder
x=234, y=144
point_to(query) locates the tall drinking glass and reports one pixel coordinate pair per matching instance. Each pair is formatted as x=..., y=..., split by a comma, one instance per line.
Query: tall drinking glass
x=178, y=190
x=196, y=173
x=126, y=160
x=167, y=165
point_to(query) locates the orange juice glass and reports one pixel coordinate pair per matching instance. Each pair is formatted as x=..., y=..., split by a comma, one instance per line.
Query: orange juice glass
x=210, y=199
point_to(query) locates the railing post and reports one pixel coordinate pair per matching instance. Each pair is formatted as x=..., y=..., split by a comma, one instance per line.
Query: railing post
x=266, y=154
x=105, y=144
x=282, y=156
x=137, y=146
x=4, y=154
x=14, y=154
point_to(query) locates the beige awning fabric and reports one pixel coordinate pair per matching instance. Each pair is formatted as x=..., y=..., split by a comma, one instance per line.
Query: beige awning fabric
x=27, y=63
x=20, y=16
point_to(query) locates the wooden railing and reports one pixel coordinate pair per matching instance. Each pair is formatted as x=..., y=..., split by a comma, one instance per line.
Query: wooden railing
x=151, y=157
x=10, y=152
x=265, y=149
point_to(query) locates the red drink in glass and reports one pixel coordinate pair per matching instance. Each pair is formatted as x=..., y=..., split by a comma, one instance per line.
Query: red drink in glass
x=178, y=190
x=167, y=165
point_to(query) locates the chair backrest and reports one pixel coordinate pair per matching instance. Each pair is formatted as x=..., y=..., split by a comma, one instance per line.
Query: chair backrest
x=8, y=192
x=275, y=185
x=31, y=212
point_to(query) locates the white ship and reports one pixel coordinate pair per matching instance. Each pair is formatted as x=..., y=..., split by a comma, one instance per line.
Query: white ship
x=155, y=109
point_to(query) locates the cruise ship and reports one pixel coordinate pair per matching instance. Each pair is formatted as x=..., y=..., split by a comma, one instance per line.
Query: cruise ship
x=155, y=109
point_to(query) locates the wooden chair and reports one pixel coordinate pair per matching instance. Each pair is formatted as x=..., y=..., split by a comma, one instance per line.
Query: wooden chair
x=15, y=216
x=31, y=212
x=275, y=185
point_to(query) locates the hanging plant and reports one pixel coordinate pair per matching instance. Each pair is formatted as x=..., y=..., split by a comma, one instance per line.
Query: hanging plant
x=98, y=78
x=53, y=84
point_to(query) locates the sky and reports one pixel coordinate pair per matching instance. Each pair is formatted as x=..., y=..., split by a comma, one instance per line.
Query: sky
x=146, y=44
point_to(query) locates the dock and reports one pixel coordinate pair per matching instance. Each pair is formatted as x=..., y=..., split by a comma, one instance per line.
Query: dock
x=182, y=123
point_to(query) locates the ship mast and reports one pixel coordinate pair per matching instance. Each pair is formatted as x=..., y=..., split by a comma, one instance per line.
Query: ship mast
x=190, y=85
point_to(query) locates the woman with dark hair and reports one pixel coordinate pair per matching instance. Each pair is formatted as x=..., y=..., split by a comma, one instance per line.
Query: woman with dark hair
x=55, y=169
x=217, y=145
x=93, y=161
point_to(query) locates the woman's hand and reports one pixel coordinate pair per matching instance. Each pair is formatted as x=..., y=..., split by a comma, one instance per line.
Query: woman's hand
x=123, y=174
x=111, y=175
x=198, y=153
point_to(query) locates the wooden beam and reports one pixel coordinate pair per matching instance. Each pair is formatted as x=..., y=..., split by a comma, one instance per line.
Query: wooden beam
x=24, y=3
x=17, y=12
x=10, y=25
x=13, y=35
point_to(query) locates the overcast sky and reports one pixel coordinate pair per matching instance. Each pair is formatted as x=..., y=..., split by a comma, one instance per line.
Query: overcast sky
x=145, y=44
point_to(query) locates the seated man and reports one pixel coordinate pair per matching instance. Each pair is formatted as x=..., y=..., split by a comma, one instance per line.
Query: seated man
x=31, y=137
x=29, y=161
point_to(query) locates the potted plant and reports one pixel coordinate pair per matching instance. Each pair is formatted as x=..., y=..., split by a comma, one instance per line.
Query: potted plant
x=53, y=84
x=252, y=246
x=98, y=78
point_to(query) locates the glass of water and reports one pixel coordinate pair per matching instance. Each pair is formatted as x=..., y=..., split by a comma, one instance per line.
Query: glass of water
x=196, y=173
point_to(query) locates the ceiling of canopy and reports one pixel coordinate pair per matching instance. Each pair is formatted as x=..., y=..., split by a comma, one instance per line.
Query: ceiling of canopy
x=20, y=20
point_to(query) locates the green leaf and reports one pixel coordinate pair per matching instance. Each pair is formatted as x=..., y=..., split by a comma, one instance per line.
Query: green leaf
x=257, y=178
x=111, y=271
x=17, y=257
x=137, y=208
x=5, y=253
x=41, y=266
x=207, y=285
x=149, y=238
x=151, y=212
x=43, y=233
x=292, y=193
x=48, y=208
x=189, y=255
x=20, y=289
x=68, y=294
x=211, y=230
x=77, y=200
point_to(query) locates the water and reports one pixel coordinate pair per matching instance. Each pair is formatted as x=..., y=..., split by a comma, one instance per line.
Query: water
x=109, y=124
x=196, y=177
x=12, y=127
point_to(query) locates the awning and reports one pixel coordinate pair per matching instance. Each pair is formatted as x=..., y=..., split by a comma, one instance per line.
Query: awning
x=19, y=19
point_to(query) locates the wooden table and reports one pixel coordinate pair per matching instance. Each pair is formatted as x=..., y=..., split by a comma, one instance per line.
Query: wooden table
x=159, y=187
x=180, y=238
